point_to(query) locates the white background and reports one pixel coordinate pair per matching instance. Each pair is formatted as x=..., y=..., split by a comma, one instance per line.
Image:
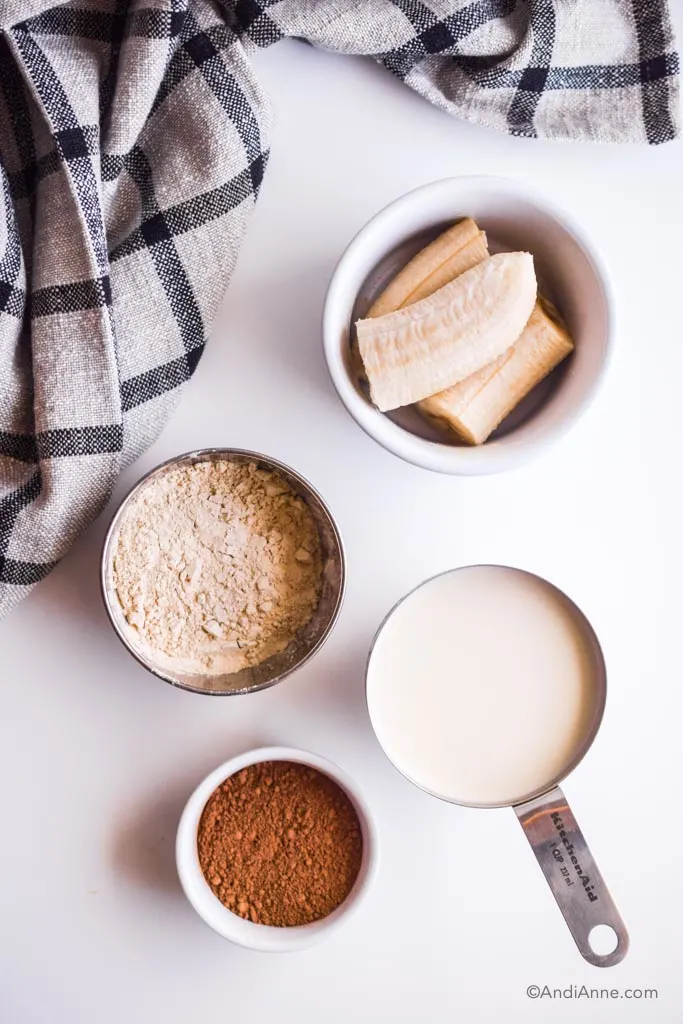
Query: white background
x=97, y=757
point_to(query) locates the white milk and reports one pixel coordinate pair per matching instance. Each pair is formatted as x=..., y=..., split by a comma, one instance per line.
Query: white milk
x=483, y=685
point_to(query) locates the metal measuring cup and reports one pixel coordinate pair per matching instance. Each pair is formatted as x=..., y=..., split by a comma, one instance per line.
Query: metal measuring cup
x=546, y=817
x=308, y=640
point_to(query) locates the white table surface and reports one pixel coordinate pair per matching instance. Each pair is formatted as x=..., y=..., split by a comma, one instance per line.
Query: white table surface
x=97, y=757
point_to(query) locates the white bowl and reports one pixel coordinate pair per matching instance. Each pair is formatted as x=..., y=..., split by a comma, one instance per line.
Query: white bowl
x=570, y=273
x=209, y=907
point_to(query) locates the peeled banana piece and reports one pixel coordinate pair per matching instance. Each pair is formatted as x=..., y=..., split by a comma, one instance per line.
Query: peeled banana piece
x=473, y=252
x=476, y=406
x=438, y=341
x=458, y=249
x=401, y=291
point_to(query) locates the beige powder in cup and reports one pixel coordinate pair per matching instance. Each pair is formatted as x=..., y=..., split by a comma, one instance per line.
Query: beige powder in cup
x=217, y=566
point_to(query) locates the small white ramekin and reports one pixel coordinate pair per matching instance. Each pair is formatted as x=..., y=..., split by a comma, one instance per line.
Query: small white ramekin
x=198, y=891
x=514, y=217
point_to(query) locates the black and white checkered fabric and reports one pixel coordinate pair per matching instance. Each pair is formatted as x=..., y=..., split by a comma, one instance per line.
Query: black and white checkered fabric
x=133, y=141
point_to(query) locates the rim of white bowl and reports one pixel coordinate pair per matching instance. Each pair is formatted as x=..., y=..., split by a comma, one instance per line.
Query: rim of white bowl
x=494, y=456
x=267, y=938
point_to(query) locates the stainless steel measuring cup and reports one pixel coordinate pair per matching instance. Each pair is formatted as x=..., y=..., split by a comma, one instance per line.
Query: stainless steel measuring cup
x=546, y=818
x=303, y=646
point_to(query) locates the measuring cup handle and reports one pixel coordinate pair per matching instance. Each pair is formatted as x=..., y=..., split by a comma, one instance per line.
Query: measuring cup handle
x=572, y=874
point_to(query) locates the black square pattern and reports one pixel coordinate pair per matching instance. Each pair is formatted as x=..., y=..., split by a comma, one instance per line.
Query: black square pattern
x=200, y=48
x=533, y=80
x=437, y=39
x=155, y=230
x=72, y=143
x=247, y=12
x=654, y=69
x=177, y=22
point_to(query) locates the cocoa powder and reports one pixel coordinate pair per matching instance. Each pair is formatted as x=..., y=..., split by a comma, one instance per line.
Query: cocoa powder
x=280, y=844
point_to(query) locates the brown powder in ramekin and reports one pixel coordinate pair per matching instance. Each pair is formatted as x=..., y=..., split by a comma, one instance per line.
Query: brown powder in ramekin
x=280, y=844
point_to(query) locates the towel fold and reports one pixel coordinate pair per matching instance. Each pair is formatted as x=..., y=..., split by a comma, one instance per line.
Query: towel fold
x=133, y=141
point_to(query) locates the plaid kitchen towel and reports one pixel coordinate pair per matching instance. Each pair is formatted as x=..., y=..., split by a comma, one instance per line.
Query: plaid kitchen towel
x=133, y=141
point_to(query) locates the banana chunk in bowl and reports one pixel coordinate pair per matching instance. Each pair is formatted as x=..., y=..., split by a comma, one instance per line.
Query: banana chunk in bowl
x=432, y=344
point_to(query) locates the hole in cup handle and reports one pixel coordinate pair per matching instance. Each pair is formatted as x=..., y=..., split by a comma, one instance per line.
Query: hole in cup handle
x=572, y=874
